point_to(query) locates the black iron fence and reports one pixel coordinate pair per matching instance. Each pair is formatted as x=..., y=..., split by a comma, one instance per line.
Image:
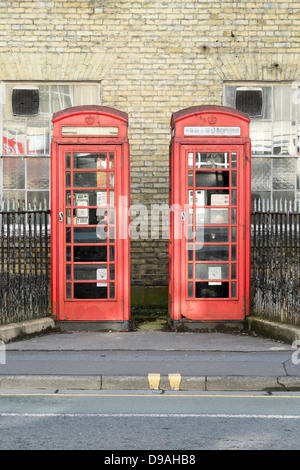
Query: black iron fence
x=24, y=262
x=276, y=261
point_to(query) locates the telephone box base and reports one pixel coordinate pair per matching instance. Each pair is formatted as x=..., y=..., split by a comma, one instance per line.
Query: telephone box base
x=94, y=325
x=217, y=326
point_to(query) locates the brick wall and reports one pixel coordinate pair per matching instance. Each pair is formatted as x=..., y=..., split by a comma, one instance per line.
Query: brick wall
x=152, y=58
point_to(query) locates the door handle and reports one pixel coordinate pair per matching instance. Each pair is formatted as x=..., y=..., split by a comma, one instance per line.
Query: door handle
x=182, y=216
x=60, y=216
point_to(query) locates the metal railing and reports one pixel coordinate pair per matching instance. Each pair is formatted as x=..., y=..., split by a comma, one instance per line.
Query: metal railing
x=276, y=260
x=24, y=261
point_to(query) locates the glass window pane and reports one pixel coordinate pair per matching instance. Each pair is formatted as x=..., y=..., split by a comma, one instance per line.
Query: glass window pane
x=38, y=173
x=44, y=99
x=14, y=196
x=40, y=197
x=14, y=137
x=61, y=97
x=284, y=138
x=13, y=173
x=284, y=106
x=261, y=170
x=190, y=290
x=112, y=290
x=85, y=94
x=261, y=137
x=284, y=173
x=190, y=159
x=38, y=137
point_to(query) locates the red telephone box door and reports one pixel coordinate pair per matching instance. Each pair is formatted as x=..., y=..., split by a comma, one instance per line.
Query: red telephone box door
x=90, y=261
x=210, y=182
x=214, y=234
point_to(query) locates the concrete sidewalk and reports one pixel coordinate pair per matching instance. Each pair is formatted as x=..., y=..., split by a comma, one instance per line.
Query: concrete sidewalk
x=152, y=359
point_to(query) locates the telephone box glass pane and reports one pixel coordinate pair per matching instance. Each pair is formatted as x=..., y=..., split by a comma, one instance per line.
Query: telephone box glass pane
x=89, y=253
x=90, y=272
x=233, y=289
x=212, y=271
x=112, y=290
x=111, y=161
x=216, y=234
x=233, y=160
x=213, y=179
x=213, y=216
x=233, y=271
x=68, y=291
x=89, y=161
x=68, y=272
x=87, y=235
x=68, y=161
x=89, y=290
x=212, y=160
x=212, y=290
x=89, y=179
x=213, y=253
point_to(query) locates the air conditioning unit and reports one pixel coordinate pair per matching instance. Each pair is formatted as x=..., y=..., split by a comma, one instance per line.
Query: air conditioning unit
x=25, y=101
x=249, y=100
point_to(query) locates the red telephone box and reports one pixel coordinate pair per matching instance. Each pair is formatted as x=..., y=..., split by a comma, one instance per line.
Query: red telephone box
x=210, y=199
x=89, y=228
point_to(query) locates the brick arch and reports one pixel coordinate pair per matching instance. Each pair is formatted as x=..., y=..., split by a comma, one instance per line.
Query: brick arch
x=58, y=66
x=237, y=65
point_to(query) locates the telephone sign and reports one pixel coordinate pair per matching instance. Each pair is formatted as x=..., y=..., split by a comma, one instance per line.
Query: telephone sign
x=89, y=176
x=210, y=180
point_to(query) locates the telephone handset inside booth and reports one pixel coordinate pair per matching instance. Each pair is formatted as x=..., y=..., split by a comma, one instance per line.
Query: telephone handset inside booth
x=81, y=214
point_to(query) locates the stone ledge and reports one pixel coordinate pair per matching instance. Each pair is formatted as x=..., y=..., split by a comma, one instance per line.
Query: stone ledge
x=13, y=330
x=274, y=330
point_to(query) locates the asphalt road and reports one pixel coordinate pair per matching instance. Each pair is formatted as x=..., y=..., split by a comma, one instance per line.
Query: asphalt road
x=132, y=421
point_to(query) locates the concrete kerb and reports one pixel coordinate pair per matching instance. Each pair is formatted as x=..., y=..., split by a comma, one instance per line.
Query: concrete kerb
x=204, y=383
